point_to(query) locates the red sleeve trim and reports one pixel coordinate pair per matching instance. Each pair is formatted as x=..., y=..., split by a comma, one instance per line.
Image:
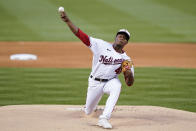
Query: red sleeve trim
x=83, y=37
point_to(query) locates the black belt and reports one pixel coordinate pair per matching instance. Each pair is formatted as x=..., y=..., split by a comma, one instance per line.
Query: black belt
x=98, y=79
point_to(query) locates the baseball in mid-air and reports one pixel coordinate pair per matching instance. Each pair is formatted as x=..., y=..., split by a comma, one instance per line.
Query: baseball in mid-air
x=61, y=9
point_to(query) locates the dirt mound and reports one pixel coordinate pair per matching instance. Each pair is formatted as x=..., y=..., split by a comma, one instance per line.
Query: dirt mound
x=68, y=117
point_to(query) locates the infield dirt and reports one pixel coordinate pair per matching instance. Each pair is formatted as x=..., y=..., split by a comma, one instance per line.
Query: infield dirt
x=76, y=55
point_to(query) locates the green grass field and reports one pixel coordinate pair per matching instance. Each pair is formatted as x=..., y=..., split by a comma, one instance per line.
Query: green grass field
x=148, y=20
x=167, y=87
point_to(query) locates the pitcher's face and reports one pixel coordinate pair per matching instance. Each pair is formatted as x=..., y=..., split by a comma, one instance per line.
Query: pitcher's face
x=121, y=40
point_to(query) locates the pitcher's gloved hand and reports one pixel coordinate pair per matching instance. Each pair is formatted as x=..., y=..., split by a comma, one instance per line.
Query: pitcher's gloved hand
x=128, y=74
x=126, y=65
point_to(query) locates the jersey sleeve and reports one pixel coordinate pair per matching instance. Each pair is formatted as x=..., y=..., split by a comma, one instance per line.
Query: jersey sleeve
x=83, y=37
x=126, y=57
x=96, y=45
x=93, y=43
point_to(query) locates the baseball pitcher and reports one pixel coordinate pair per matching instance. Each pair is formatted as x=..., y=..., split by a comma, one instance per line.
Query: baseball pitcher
x=109, y=60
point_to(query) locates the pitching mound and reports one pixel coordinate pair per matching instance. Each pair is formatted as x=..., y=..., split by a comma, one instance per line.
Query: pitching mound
x=67, y=117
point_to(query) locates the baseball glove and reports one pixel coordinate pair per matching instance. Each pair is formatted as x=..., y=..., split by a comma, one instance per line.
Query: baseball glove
x=126, y=65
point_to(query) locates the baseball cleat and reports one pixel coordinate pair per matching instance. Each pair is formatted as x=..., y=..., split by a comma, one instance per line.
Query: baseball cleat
x=104, y=123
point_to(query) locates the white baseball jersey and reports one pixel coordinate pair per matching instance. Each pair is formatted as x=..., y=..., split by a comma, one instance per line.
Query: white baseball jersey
x=106, y=61
x=106, y=65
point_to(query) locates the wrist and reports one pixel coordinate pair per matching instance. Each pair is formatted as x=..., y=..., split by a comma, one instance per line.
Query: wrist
x=66, y=19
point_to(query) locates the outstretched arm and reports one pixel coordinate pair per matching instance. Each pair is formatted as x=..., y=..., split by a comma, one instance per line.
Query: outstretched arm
x=71, y=26
x=79, y=33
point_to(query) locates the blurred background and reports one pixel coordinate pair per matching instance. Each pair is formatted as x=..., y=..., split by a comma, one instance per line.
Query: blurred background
x=147, y=20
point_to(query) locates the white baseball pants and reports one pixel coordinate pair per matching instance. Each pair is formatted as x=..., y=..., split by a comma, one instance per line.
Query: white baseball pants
x=96, y=90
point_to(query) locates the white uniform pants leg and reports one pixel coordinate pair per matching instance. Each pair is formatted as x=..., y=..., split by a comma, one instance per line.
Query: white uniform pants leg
x=113, y=88
x=94, y=94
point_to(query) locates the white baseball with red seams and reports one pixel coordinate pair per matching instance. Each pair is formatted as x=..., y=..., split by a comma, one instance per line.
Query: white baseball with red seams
x=106, y=65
